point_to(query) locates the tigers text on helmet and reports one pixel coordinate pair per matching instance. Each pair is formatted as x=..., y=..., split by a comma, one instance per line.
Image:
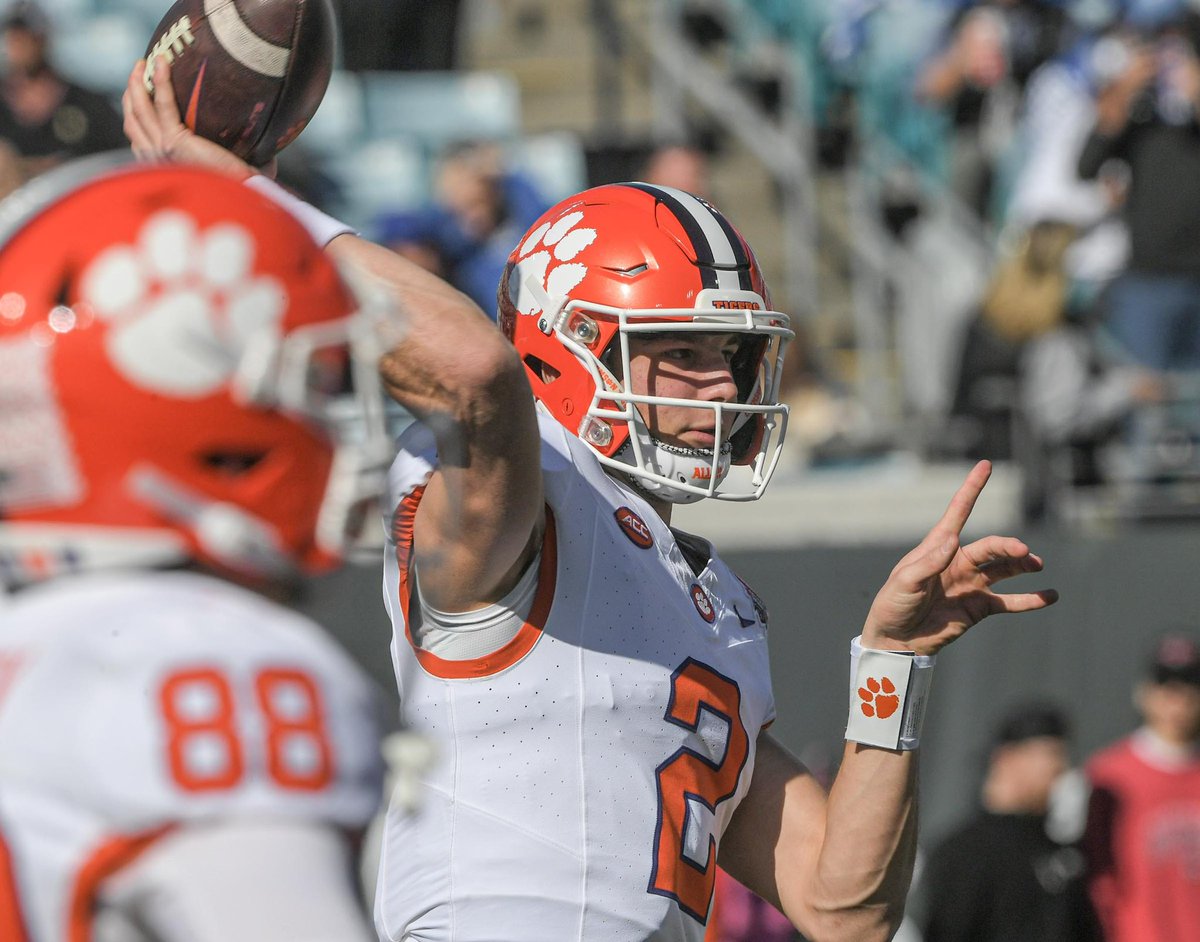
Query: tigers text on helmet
x=184, y=375
x=628, y=259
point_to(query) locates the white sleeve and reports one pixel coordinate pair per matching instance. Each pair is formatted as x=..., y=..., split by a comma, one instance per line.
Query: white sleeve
x=242, y=881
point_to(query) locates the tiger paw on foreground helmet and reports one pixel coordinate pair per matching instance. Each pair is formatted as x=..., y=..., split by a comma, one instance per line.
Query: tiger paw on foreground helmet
x=178, y=362
x=634, y=259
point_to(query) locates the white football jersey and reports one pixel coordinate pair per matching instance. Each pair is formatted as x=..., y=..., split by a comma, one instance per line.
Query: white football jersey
x=587, y=769
x=133, y=704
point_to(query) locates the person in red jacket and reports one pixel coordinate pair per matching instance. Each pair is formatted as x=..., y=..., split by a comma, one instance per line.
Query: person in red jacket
x=1143, y=831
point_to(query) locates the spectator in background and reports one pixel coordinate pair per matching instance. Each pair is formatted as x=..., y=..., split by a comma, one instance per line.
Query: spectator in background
x=1001, y=877
x=1143, y=831
x=43, y=117
x=1077, y=399
x=481, y=209
x=1146, y=118
x=681, y=165
x=988, y=55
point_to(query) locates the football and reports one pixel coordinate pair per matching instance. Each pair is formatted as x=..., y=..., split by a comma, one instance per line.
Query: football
x=247, y=74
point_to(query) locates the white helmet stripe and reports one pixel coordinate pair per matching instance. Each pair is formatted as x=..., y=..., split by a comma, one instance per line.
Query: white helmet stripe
x=723, y=260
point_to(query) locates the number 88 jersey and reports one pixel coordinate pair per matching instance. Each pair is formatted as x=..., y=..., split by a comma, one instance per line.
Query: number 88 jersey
x=132, y=704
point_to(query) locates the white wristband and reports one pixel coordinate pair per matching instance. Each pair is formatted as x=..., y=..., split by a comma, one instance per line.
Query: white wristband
x=322, y=227
x=888, y=693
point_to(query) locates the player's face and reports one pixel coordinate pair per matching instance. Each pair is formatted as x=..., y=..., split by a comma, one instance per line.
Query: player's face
x=1172, y=710
x=24, y=52
x=1037, y=764
x=683, y=366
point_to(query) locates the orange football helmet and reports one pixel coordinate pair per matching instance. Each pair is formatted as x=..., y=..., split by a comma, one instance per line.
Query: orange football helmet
x=634, y=258
x=184, y=375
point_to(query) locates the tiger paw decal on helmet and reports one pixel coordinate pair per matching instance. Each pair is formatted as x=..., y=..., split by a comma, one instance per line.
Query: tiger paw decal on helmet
x=179, y=301
x=547, y=256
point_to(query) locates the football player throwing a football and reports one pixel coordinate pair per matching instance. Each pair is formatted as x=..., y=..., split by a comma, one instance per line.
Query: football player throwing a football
x=596, y=681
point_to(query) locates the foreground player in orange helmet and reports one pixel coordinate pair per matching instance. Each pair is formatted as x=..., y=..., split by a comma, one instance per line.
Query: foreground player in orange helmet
x=180, y=758
x=597, y=683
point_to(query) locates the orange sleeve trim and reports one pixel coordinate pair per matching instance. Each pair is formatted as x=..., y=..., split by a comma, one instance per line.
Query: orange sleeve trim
x=12, y=923
x=528, y=634
x=105, y=860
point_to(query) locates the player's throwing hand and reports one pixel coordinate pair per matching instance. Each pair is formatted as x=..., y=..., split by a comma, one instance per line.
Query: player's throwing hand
x=156, y=132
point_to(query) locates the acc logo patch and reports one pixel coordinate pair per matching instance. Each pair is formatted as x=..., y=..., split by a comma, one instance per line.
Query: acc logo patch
x=635, y=528
x=703, y=604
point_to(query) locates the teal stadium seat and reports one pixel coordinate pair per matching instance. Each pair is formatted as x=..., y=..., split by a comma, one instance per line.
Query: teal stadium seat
x=377, y=175
x=98, y=51
x=553, y=160
x=441, y=108
x=64, y=12
x=340, y=124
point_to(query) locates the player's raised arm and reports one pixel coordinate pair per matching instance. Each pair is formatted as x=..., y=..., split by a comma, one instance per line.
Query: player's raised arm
x=482, y=509
x=840, y=866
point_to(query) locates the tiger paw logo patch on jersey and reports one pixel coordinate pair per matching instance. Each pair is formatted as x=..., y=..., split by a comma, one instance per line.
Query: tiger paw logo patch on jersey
x=634, y=527
x=159, y=295
x=547, y=257
x=879, y=698
x=703, y=604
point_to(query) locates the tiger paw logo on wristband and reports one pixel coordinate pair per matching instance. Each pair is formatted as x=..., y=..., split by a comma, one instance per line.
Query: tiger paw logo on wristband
x=879, y=698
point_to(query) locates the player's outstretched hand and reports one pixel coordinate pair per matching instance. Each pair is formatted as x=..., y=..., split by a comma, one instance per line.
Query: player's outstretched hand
x=940, y=589
x=156, y=132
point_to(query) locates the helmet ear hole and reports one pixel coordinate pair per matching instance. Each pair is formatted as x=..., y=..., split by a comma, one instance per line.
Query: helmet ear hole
x=232, y=462
x=542, y=369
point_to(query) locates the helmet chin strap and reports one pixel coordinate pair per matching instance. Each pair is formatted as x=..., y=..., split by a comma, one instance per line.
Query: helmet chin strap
x=673, y=463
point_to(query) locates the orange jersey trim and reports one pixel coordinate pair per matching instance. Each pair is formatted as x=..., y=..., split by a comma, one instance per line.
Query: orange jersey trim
x=528, y=634
x=105, y=860
x=12, y=924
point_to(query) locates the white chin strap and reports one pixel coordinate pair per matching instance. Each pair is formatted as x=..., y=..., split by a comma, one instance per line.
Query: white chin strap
x=664, y=467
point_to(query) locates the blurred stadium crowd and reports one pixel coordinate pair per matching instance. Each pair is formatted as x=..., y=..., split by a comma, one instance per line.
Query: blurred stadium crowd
x=910, y=167
x=986, y=216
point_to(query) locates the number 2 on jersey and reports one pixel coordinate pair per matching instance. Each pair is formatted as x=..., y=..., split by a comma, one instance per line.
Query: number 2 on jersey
x=691, y=785
x=204, y=742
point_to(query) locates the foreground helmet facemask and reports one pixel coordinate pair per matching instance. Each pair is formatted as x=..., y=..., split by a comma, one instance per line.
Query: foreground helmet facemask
x=617, y=261
x=184, y=376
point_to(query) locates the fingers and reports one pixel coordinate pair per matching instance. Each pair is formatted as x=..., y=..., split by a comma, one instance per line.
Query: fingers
x=951, y=524
x=1017, y=602
x=923, y=563
x=996, y=556
x=165, y=106
x=963, y=501
x=151, y=124
x=135, y=103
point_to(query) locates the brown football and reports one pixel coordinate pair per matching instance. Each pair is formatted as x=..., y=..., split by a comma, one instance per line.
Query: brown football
x=248, y=74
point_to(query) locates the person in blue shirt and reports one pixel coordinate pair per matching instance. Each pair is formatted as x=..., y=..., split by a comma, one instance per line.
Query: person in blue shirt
x=465, y=234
